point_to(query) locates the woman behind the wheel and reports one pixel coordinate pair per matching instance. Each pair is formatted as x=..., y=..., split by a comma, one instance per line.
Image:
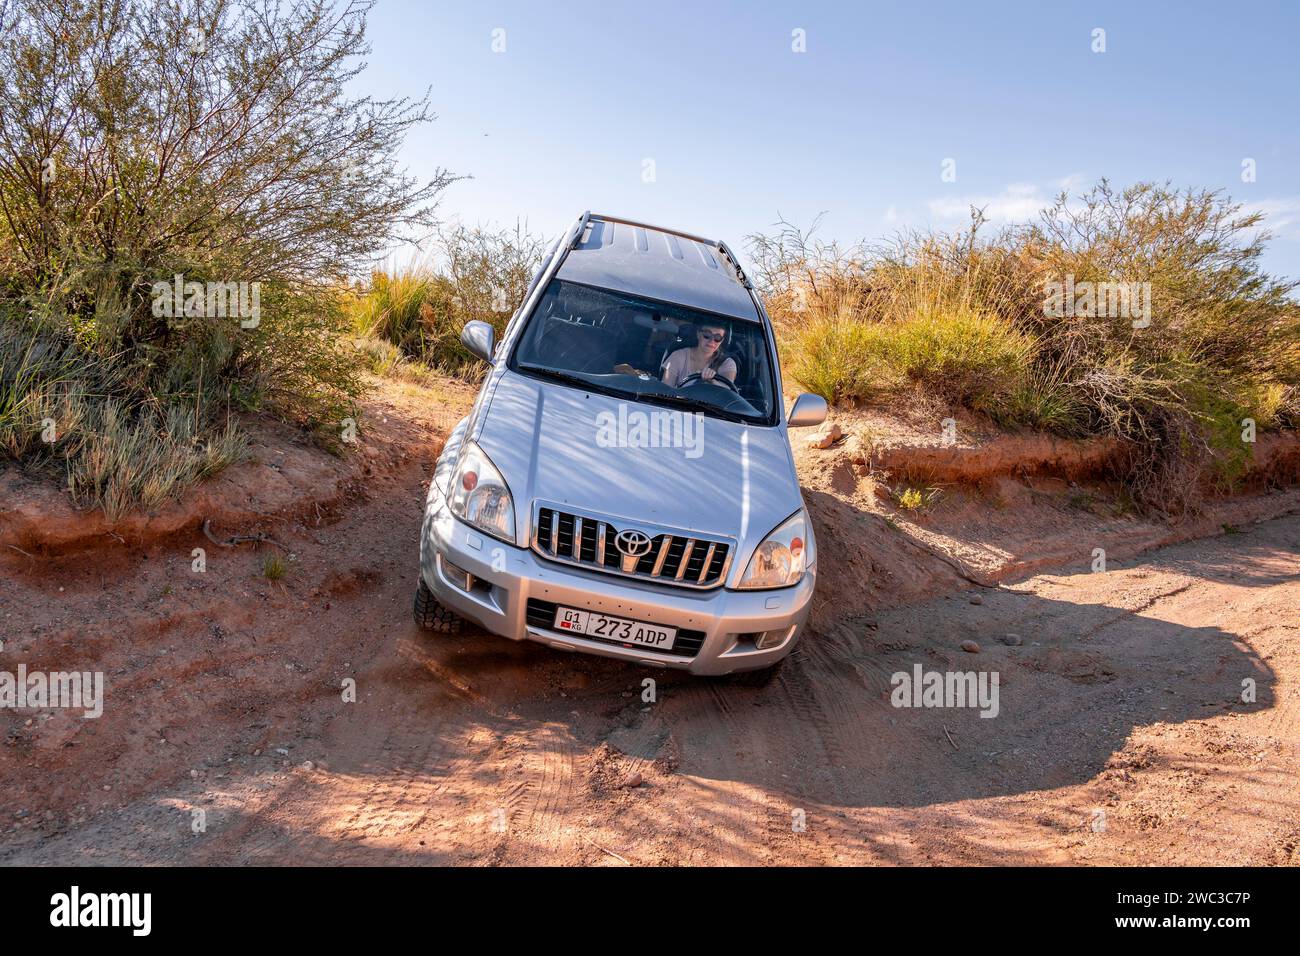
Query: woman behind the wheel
x=706, y=360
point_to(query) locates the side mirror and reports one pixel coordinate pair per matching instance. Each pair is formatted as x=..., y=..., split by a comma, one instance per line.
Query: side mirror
x=479, y=338
x=808, y=409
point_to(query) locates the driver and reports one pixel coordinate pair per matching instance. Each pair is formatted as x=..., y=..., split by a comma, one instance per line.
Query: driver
x=705, y=359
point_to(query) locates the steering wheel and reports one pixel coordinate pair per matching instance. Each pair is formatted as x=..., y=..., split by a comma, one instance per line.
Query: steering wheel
x=698, y=377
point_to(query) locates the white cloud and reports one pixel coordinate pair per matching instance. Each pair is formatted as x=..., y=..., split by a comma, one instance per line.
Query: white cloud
x=1017, y=202
x=1071, y=183
x=1281, y=215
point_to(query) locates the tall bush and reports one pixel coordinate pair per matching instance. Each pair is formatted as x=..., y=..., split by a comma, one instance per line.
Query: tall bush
x=211, y=140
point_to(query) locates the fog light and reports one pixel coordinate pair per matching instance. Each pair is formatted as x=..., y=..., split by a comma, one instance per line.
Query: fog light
x=456, y=575
x=770, y=638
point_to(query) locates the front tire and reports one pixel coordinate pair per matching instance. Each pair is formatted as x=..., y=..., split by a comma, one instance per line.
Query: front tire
x=433, y=616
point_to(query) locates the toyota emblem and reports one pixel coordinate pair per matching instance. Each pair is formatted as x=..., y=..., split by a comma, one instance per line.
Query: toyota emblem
x=633, y=543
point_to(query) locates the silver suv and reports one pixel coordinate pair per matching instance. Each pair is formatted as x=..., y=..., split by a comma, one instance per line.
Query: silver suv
x=624, y=484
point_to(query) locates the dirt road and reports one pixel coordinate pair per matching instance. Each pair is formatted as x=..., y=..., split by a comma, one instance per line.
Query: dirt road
x=1121, y=734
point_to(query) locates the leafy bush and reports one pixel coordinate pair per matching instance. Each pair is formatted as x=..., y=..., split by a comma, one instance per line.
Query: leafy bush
x=911, y=499
x=413, y=310
x=386, y=360
x=962, y=356
x=842, y=359
x=1043, y=399
x=57, y=409
x=216, y=143
x=421, y=309
x=968, y=318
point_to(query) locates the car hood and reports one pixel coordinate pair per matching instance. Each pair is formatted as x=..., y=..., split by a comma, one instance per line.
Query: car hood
x=553, y=442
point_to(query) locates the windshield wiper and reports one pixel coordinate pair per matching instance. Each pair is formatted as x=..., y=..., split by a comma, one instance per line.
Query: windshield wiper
x=698, y=405
x=572, y=379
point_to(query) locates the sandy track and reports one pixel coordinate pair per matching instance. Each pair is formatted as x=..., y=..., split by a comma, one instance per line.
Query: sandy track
x=1121, y=735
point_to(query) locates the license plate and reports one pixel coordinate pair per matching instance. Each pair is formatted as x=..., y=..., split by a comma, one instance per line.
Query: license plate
x=614, y=628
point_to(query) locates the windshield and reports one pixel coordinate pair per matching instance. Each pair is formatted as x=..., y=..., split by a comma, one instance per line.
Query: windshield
x=649, y=351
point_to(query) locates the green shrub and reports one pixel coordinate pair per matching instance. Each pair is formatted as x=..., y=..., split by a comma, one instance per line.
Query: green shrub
x=274, y=567
x=122, y=458
x=965, y=317
x=414, y=310
x=64, y=411
x=1043, y=399
x=842, y=359
x=299, y=363
x=154, y=175
x=964, y=356
x=422, y=310
x=386, y=360
x=959, y=355
x=911, y=499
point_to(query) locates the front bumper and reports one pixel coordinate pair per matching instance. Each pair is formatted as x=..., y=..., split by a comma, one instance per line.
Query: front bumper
x=507, y=577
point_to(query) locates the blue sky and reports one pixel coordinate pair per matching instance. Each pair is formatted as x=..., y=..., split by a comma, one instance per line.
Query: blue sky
x=740, y=128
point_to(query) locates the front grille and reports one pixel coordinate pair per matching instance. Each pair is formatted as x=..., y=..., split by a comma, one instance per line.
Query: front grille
x=682, y=559
x=541, y=614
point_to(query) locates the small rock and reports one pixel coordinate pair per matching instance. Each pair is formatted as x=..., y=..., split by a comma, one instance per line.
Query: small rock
x=824, y=439
x=634, y=781
x=308, y=765
x=970, y=647
x=107, y=788
x=194, y=773
x=1011, y=640
x=976, y=599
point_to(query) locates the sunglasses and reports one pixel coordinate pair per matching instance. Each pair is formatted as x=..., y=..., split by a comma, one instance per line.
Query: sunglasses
x=713, y=336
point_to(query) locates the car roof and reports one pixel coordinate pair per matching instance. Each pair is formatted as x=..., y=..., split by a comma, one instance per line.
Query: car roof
x=660, y=264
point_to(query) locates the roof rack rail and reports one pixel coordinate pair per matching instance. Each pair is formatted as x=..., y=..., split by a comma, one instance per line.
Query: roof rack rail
x=579, y=228
x=645, y=225
x=717, y=244
x=735, y=264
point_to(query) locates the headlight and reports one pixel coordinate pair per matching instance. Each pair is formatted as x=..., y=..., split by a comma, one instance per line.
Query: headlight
x=782, y=558
x=479, y=495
